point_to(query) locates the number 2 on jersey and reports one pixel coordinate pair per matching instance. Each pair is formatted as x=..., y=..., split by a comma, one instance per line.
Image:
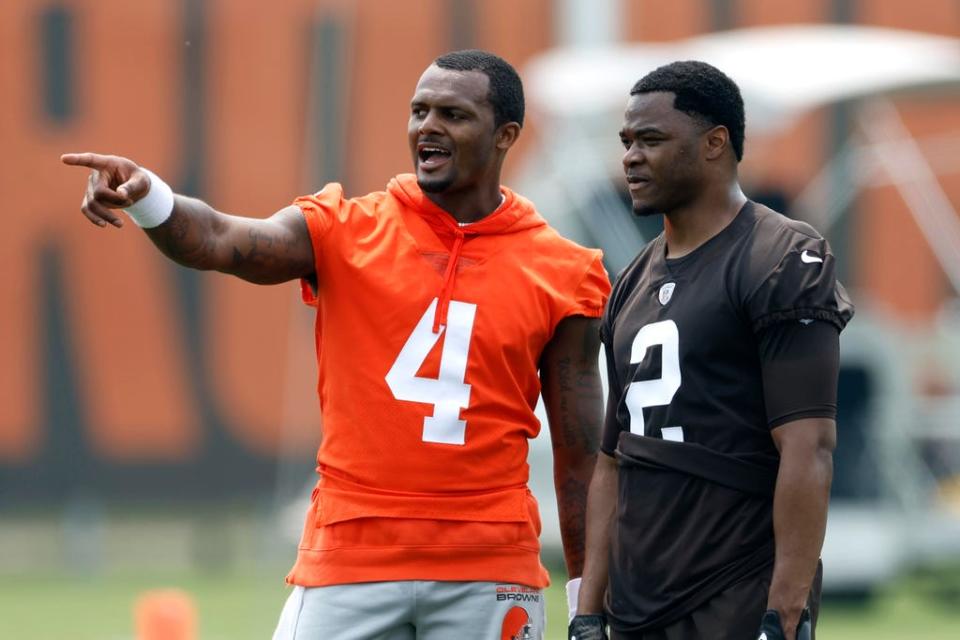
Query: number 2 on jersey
x=448, y=393
x=657, y=392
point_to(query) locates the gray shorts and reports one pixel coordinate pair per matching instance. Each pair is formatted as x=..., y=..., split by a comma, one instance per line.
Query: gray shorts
x=413, y=610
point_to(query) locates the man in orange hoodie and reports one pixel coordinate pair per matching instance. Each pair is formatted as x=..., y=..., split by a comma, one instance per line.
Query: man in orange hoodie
x=445, y=304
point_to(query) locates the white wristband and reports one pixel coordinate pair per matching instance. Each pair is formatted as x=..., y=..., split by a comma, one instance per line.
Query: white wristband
x=154, y=208
x=573, y=593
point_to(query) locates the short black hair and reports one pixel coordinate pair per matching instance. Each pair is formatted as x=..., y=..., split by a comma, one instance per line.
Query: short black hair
x=506, y=89
x=702, y=91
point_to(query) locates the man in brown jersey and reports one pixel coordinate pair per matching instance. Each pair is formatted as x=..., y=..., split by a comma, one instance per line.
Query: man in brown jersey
x=707, y=509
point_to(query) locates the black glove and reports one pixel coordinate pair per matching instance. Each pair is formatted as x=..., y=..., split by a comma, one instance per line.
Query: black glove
x=592, y=627
x=771, y=629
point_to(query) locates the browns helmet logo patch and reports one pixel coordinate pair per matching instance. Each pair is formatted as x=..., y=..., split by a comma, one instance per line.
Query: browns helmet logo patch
x=666, y=292
x=516, y=625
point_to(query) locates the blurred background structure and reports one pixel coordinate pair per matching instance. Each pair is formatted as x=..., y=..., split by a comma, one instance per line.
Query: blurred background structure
x=158, y=426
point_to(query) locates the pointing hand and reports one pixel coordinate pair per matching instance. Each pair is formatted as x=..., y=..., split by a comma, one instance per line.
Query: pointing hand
x=114, y=183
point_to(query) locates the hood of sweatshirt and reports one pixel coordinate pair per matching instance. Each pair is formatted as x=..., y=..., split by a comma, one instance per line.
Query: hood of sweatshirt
x=514, y=214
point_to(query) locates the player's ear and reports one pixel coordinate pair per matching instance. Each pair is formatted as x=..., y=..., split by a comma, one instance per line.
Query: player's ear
x=506, y=135
x=716, y=140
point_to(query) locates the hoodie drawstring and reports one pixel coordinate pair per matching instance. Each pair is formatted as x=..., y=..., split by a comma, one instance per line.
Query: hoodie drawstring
x=446, y=291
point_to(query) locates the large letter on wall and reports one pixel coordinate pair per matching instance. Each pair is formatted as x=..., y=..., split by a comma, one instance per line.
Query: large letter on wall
x=261, y=359
x=98, y=76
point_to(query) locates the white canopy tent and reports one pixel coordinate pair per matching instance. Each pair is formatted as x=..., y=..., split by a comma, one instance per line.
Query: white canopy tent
x=781, y=71
x=578, y=96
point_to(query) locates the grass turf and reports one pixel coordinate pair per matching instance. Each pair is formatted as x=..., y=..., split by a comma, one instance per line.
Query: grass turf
x=246, y=605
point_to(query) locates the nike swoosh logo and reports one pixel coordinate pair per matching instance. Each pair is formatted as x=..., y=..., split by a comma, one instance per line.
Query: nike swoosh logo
x=808, y=257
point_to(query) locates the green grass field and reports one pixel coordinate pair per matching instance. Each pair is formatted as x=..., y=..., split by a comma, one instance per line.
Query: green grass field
x=245, y=606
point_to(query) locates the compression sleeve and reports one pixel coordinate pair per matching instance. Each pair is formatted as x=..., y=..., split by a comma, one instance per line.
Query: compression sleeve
x=799, y=362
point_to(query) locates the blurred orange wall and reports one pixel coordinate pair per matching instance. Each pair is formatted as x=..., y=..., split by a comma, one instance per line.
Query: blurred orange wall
x=233, y=113
x=128, y=343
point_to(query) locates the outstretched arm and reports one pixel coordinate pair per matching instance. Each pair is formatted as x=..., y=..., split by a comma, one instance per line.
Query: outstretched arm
x=196, y=235
x=573, y=399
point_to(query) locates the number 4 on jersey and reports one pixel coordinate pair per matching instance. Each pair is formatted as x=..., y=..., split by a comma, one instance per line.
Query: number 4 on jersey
x=448, y=393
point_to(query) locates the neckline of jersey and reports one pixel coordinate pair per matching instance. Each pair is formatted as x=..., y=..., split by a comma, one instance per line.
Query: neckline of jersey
x=673, y=264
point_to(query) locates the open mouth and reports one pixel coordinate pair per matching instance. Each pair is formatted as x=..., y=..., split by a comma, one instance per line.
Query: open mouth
x=432, y=156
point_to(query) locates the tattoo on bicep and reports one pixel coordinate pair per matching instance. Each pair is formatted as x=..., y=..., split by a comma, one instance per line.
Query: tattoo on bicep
x=260, y=239
x=258, y=251
x=579, y=407
x=590, y=389
x=567, y=417
x=590, y=405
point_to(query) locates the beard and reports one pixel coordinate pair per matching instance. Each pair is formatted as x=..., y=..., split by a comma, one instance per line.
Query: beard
x=645, y=210
x=667, y=197
x=435, y=185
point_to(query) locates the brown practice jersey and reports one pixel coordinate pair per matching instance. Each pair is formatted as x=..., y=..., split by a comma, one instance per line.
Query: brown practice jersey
x=686, y=414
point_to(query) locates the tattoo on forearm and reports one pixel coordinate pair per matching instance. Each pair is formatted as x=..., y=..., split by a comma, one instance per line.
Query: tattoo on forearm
x=571, y=504
x=180, y=240
x=179, y=225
